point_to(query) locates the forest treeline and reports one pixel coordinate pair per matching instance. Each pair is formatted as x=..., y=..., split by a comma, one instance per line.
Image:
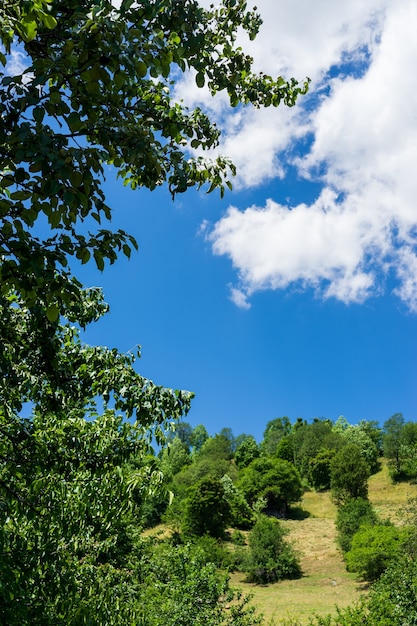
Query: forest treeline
x=271, y=476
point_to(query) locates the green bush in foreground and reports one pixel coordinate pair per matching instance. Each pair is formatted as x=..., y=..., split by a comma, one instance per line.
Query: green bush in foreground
x=180, y=588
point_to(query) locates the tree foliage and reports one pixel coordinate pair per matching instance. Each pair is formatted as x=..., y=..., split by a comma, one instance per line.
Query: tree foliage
x=246, y=452
x=309, y=439
x=275, y=430
x=67, y=483
x=349, y=474
x=351, y=515
x=319, y=470
x=199, y=436
x=274, y=480
x=400, y=447
x=207, y=510
x=360, y=436
x=182, y=587
x=270, y=558
x=373, y=548
x=392, y=439
x=217, y=447
x=96, y=90
x=174, y=457
x=241, y=515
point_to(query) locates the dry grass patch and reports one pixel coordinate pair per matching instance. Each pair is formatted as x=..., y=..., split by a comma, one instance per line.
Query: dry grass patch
x=389, y=498
x=300, y=599
x=319, y=504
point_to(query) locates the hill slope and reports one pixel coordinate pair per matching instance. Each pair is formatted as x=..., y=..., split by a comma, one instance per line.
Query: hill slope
x=325, y=583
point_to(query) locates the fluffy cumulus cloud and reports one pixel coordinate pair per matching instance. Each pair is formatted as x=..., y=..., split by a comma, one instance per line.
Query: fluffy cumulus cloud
x=360, y=120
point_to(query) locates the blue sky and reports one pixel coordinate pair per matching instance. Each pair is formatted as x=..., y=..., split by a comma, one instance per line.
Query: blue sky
x=297, y=293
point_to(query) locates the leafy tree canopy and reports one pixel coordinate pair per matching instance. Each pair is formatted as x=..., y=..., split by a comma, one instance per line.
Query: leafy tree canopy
x=217, y=447
x=373, y=548
x=174, y=457
x=96, y=91
x=207, y=510
x=275, y=480
x=246, y=452
x=361, y=437
x=351, y=515
x=275, y=430
x=271, y=558
x=392, y=438
x=199, y=436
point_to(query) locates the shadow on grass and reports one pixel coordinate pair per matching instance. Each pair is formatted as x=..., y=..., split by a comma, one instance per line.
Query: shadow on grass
x=298, y=513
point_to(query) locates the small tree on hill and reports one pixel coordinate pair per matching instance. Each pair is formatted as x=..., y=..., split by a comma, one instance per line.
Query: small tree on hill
x=349, y=474
x=392, y=439
x=275, y=480
x=373, y=549
x=271, y=558
x=207, y=510
x=246, y=452
x=353, y=514
x=320, y=469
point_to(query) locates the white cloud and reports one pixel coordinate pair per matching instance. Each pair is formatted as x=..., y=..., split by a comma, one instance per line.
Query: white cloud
x=363, y=226
x=273, y=247
x=16, y=63
x=239, y=298
x=297, y=38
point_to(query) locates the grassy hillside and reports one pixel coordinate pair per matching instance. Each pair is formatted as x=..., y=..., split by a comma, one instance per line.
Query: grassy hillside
x=325, y=583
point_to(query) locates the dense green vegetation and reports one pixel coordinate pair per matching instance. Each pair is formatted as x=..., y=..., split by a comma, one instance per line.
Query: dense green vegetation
x=91, y=452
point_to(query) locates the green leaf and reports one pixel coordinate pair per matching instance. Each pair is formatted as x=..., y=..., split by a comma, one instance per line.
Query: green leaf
x=98, y=257
x=141, y=69
x=20, y=195
x=39, y=114
x=52, y=313
x=54, y=97
x=49, y=21
x=74, y=121
x=200, y=79
x=76, y=178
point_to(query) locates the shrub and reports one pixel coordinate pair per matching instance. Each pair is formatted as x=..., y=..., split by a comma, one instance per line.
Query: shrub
x=353, y=514
x=214, y=551
x=373, y=549
x=180, y=588
x=270, y=557
x=275, y=480
x=393, y=598
x=241, y=515
x=246, y=452
x=238, y=538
